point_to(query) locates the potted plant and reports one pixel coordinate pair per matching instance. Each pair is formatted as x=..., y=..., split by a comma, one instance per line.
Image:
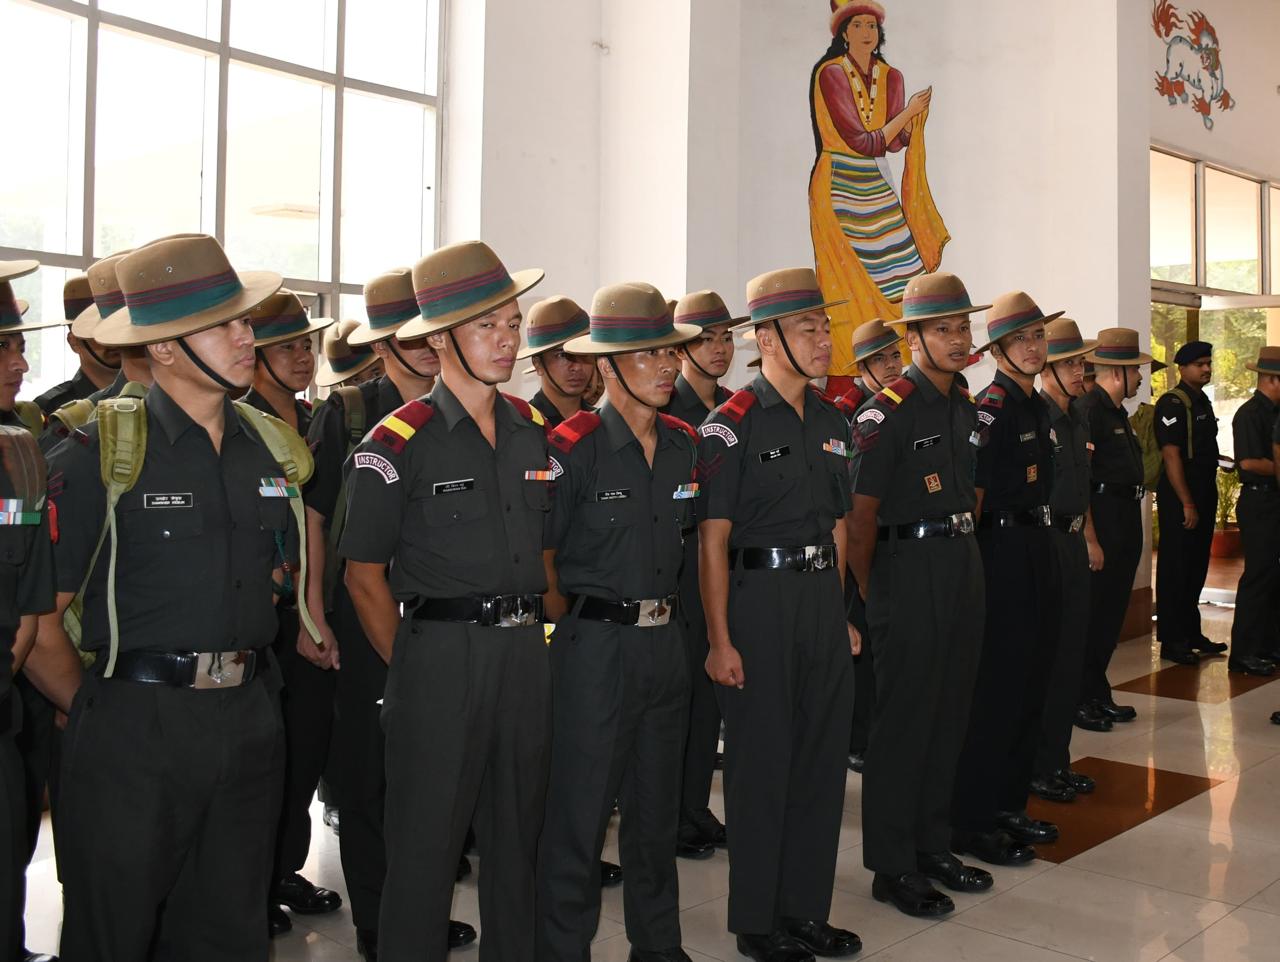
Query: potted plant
x=1226, y=533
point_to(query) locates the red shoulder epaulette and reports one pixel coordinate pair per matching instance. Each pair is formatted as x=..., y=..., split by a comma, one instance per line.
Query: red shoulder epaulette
x=676, y=424
x=306, y=403
x=736, y=408
x=968, y=395
x=572, y=430
x=894, y=394
x=992, y=397
x=398, y=427
x=849, y=403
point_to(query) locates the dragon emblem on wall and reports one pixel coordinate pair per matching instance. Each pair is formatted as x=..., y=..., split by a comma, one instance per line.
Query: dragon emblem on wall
x=1193, y=61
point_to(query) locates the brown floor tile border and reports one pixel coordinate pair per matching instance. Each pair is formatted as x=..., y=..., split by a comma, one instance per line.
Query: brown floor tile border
x=1208, y=682
x=1127, y=795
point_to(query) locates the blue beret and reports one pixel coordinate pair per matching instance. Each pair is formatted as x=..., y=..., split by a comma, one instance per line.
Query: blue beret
x=1193, y=351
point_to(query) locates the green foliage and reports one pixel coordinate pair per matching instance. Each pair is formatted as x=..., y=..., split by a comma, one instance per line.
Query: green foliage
x=1228, y=495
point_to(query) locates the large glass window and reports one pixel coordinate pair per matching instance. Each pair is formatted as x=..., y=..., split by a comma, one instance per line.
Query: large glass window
x=1231, y=223
x=394, y=42
x=1173, y=218
x=299, y=31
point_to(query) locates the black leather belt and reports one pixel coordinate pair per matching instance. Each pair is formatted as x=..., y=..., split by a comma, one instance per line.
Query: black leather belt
x=488, y=611
x=818, y=557
x=645, y=613
x=1070, y=523
x=952, y=526
x=1037, y=517
x=1259, y=486
x=1130, y=492
x=190, y=669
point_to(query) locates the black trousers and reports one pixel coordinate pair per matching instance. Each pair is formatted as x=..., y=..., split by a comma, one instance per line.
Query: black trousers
x=926, y=643
x=170, y=799
x=307, y=705
x=37, y=743
x=1256, y=629
x=1184, y=560
x=619, y=709
x=467, y=717
x=13, y=834
x=704, y=712
x=1054, y=751
x=1019, y=645
x=786, y=745
x=1118, y=524
x=359, y=764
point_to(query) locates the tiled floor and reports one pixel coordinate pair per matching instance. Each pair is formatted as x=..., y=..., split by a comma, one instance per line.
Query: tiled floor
x=1176, y=857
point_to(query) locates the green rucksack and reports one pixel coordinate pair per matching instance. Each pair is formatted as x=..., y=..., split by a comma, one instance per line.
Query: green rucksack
x=1143, y=421
x=355, y=420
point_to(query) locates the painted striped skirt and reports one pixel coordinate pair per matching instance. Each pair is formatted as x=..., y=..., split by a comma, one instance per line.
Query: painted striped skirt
x=873, y=223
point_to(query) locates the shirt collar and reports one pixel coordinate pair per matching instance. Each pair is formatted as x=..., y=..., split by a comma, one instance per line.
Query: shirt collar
x=1055, y=413
x=1265, y=401
x=11, y=419
x=175, y=422
x=1010, y=386
x=81, y=384
x=619, y=431
x=447, y=403
x=687, y=394
x=929, y=392
x=1192, y=392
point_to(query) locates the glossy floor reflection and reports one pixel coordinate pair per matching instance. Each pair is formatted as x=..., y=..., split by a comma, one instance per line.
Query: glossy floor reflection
x=1177, y=856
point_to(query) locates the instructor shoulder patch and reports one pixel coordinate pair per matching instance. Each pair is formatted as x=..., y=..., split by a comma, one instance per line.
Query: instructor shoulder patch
x=677, y=425
x=395, y=430
x=569, y=432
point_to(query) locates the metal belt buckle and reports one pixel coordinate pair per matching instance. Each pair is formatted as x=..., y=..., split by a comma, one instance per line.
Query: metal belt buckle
x=514, y=611
x=815, y=557
x=962, y=523
x=653, y=612
x=220, y=669
x=1077, y=524
x=1140, y=492
x=1043, y=516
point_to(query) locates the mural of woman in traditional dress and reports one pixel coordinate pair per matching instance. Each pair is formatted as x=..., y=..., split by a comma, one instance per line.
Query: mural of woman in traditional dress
x=868, y=240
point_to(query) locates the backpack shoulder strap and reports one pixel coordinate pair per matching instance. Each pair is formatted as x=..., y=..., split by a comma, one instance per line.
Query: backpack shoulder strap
x=30, y=415
x=74, y=414
x=25, y=466
x=1186, y=403
x=353, y=411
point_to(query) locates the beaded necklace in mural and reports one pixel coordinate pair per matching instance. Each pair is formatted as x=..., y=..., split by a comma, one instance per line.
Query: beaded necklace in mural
x=866, y=99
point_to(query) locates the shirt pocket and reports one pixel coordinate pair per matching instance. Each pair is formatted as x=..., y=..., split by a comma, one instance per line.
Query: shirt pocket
x=273, y=514
x=14, y=544
x=778, y=465
x=537, y=495
x=458, y=519
x=611, y=515
x=162, y=546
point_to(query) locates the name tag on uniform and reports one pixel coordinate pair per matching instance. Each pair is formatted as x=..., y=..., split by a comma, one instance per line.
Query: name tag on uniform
x=836, y=446
x=184, y=500
x=782, y=452
x=453, y=487
x=11, y=513
x=1028, y=436
x=928, y=442
x=276, y=488
x=613, y=494
x=685, y=491
x=1117, y=430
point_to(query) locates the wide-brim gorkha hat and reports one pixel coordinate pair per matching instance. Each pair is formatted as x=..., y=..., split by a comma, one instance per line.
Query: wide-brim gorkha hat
x=76, y=297
x=340, y=360
x=704, y=309
x=1117, y=347
x=1064, y=341
x=784, y=293
x=388, y=300
x=177, y=286
x=872, y=337
x=843, y=10
x=12, y=308
x=104, y=288
x=1011, y=313
x=463, y=281
x=932, y=296
x=280, y=318
x=630, y=317
x=553, y=322
x=1268, y=362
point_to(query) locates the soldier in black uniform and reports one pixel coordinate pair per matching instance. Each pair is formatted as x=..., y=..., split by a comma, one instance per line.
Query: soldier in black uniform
x=618, y=663
x=452, y=491
x=1115, y=505
x=773, y=470
x=1078, y=552
x=564, y=376
x=1187, y=501
x=705, y=360
x=1254, y=640
x=912, y=524
x=1023, y=591
x=174, y=753
x=98, y=364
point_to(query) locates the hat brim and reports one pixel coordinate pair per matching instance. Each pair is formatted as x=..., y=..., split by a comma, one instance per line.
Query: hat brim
x=119, y=331
x=364, y=335
x=1089, y=345
x=682, y=334
x=530, y=370
x=750, y=324
x=754, y=362
x=906, y=321
x=11, y=269
x=1021, y=327
x=314, y=325
x=858, y=359
x=1253, y=366
x=85, y=326
x=521, y=282
x=1092, y=358
x=529, y=352
x=29, y=326
x=326, y=376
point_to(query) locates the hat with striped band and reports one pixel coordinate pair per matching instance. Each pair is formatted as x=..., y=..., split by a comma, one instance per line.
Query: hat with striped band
x=932, y=296
x=104, y=287
x=630, y=317
x=843, y=10
x=341, y=361
x=1268, y=361
x=281, y=317
x=76, y=297
x=12, y=308
x=180, y=285
x=1011, y=313
x=389, y=302
x=783, y=293
x=1117, y=347
x=705, y=309
x=460, y=282
x=872, y=337
x=1064, y=341
x=552, y=322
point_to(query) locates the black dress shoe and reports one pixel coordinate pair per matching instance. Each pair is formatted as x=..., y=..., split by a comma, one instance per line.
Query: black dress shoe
x=1275, y=718
x=994, y=848
x=301, y=896
x=1083, y=784
x=823, y=939
x=694, y=849
x=464, y=868
x=774, y=947
x=911, y=894
x=29, y=956
x=1088, y=718
x=1251, y=665
x=856, y=762
x=954, y=874
x=1181, y=654
x=331, y=817
x=719, y=761
x=610, y=874
x=278, y=921
x=460, y=934
x=709, y=827
x=1023, y=828
x=1052, y=788
x=1206, y=647
x=1117, y=713
x=367, y=944
x=665, y=955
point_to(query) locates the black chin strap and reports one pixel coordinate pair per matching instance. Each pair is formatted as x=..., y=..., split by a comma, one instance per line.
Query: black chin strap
x=925, y=344
x=786, y=348
x=688, y=356
x=1013, y=364
x=462, y=359
x=271, y=371
x=623, y=381
x=391, y=346
x=866, y=372
x=84, y=342
x=542, y=369
x=1053, y=368
x=208, y=372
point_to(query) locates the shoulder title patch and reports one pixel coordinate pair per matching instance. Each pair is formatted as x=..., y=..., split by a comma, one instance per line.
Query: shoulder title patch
x=569, y=432
x=395, y=430
x=722, y=431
